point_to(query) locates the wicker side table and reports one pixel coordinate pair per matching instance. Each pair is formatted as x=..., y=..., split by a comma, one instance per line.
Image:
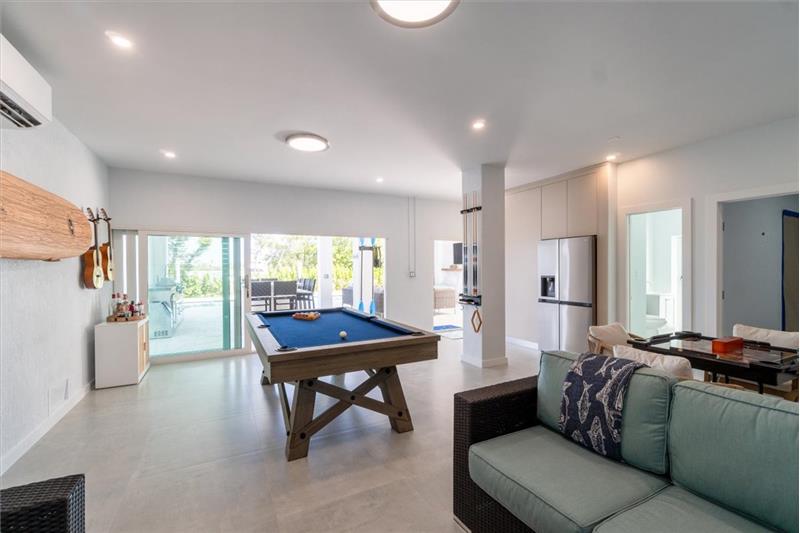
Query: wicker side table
x=54, y=505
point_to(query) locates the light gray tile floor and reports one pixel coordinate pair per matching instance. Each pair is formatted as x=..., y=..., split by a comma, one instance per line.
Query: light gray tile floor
x=199, y=447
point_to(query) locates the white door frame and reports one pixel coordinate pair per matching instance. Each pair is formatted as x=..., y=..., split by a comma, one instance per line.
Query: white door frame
x=685, y=205
x=144, y=287
x=713, y=229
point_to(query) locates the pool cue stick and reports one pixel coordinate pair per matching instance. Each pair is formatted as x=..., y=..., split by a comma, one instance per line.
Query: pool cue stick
x=361, y=274
x=474, y=244
x=464, y=254
x=372, y=279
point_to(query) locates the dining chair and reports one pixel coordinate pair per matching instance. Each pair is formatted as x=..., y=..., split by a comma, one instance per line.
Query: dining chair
x=602, y=339
x=781, y=339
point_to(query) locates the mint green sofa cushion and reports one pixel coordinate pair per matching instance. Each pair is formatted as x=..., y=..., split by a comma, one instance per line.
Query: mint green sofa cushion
x=645, y=414
x=675, y=509
x=738, y=449
x=553, y=484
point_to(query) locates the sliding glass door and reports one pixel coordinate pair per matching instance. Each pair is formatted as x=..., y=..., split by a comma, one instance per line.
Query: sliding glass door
x=196, y=293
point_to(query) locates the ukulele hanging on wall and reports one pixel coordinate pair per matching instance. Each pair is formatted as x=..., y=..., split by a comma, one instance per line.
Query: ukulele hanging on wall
x=92, y=265
x=107, y=249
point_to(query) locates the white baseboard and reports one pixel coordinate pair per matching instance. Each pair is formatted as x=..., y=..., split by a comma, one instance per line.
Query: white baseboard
x=13, y=455
x=523, y=343
x=485, y=363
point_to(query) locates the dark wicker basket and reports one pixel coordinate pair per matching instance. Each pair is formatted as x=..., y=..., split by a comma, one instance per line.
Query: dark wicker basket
x=482, y=414
x=55, y=505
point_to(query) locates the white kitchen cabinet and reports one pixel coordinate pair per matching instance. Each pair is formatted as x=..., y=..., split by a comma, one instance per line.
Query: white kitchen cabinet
x=121, y=354
x=554, y=210
x=582, y=206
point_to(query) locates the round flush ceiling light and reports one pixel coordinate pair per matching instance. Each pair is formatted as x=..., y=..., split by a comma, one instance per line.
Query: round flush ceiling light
x=307, y=142
x=169, y=154
x=414, y=13
x=120, y=41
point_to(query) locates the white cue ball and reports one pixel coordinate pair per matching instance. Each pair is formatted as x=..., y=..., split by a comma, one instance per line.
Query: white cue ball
x=343, y=334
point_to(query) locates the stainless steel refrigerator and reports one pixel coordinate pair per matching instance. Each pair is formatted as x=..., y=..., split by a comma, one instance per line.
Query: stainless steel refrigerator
x=567, y=304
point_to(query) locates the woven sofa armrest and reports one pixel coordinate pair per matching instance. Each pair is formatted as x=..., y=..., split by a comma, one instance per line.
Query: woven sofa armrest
x=482, y=414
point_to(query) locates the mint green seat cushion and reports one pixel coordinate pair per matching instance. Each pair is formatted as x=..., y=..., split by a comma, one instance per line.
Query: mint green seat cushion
x=553, y=484
x=676, y=509
x=645, y=413
x=738, y=449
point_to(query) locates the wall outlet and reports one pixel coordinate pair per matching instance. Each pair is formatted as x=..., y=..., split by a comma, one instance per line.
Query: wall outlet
x=412, y=274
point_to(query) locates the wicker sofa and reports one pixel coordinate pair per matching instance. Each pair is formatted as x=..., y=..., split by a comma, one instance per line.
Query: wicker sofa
x=695, y=458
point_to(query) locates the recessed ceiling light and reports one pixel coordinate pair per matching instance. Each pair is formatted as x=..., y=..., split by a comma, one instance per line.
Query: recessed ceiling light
x=307, y=142
x=414, y=13
x=379, y=179
x=479, y=124
x=169, y=154
x=612, y=157
x=120, y=41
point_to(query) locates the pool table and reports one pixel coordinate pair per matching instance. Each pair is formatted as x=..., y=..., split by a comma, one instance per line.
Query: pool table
x=300, y=352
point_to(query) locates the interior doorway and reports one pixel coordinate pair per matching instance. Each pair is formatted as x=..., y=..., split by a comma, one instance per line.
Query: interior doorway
x=655, y=272
x=447, y=268
x=759, y=263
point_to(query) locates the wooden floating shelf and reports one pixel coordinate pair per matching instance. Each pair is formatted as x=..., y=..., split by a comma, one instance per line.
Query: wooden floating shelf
x=37, y=224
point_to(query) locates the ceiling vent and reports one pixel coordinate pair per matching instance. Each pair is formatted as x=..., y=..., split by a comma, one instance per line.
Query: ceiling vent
x=26, y=99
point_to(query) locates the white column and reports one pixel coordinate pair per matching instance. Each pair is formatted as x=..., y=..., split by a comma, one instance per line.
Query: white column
x=325, y=271
x=487, y=347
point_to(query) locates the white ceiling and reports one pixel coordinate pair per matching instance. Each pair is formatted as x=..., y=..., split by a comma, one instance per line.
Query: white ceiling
x=221, y=83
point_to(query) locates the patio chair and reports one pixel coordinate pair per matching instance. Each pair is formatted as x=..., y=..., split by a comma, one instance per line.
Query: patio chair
x=306, y=297
x=261, y=293
x=284, y=293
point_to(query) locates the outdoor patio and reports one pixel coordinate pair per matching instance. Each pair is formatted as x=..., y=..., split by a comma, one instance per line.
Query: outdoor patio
x=199, y=331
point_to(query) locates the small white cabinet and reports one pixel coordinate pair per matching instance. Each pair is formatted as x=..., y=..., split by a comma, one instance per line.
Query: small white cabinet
x=120, y=353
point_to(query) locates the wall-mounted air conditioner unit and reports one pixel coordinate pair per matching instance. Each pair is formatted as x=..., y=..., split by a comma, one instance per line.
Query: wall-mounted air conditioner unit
x=26, y=99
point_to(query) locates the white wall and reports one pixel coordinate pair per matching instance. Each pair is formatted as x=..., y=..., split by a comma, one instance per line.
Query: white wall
x=752, y=262
x=755, y=157
x=148, y=201
x=46, y=316
x=523, y=229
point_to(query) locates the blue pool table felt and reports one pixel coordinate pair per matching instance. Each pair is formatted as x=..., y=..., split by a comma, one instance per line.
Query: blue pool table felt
x=293, y=333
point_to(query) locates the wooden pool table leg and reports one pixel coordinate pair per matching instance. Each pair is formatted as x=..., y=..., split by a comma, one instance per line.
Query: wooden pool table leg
x=392, y=392
x=302, y=413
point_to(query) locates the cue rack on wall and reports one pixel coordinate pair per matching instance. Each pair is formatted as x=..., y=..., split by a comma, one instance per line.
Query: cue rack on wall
x=471, y=290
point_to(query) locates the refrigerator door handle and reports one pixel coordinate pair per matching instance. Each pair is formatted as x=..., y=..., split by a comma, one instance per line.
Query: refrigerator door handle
x=576, y=304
